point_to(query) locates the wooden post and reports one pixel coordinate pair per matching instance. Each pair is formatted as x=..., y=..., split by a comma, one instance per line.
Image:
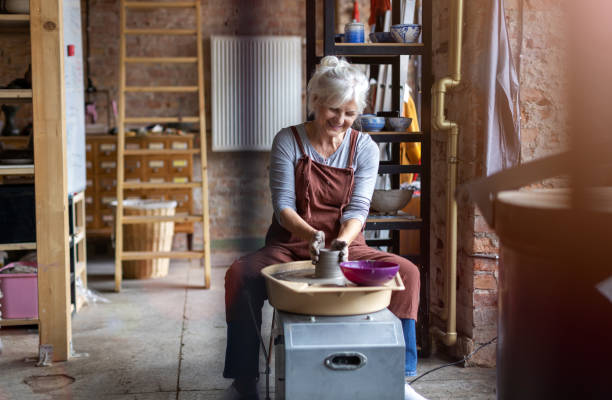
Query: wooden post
x=52, y=236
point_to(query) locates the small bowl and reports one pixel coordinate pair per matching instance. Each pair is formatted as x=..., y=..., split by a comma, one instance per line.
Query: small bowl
x=406, y=33
x=369, y=273
x=390, y=201
x=371, y=123
x=399, y=124
x=381, y=37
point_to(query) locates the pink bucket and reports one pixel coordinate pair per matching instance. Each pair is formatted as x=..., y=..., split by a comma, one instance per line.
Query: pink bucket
x=20, y=294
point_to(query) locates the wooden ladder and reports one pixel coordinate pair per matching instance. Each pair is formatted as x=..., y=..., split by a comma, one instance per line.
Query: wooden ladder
x=120, y=220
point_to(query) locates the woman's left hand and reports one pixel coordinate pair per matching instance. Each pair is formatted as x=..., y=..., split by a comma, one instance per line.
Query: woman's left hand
x=342, y=246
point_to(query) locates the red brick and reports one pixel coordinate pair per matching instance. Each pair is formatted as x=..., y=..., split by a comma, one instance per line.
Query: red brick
x=484, y=298
x=485, y=264
x=485, y=244
x=485, y=281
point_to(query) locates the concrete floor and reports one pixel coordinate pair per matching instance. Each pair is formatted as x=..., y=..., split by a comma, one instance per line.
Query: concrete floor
x=164, y=339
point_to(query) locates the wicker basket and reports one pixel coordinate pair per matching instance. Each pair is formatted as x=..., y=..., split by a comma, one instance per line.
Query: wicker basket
x=148, y=237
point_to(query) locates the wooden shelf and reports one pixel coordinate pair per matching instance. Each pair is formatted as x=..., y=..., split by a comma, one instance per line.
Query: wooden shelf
x=16, y=170
x=378, y=49
x=16, y=95
x=396, y=137
x=391, y=222
x=161, y=185
x=150, y=255
x=14, y=23
x=18, y=322
x=399, y=169
x=151, y=152
x=18, y=246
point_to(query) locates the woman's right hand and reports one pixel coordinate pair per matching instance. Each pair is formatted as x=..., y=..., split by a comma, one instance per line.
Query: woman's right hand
x=317, y=242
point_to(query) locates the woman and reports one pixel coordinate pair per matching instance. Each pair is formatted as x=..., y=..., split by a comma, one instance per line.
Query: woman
x=322, y=176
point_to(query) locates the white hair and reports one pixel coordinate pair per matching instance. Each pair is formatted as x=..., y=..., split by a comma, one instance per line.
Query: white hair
x=336, y=82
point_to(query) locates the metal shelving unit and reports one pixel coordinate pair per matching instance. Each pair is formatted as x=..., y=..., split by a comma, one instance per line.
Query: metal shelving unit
x=389, y=53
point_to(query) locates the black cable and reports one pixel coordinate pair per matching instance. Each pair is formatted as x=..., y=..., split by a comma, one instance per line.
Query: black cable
x=464, y=359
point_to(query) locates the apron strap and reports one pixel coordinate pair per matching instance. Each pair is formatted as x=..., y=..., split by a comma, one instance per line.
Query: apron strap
x=354, y=136
x=298, y=140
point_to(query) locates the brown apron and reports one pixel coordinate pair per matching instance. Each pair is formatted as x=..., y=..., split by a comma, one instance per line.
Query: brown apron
x=322, y=193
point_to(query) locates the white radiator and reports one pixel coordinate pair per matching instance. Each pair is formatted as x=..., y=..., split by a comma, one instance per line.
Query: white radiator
x=256, y=89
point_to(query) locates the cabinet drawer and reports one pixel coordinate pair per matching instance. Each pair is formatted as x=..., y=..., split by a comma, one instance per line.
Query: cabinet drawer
x=179, y=143
x=107, y=219
x=107, y=149
x=107, y=167
x=182, y=198
x=107, y=184
x=180, y=166
x=106, y=200
x=156, y=144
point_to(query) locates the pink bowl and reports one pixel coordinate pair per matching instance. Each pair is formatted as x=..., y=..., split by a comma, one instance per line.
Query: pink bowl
x=369, y=273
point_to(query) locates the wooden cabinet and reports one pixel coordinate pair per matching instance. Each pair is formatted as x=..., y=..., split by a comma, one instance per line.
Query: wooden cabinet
x=174, y=165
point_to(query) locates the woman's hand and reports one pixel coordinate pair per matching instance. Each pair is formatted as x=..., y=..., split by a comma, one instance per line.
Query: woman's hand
x=317, y=241
x=342, y=246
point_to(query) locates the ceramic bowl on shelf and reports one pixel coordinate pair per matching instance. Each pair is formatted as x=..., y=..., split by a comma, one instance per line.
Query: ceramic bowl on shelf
x=390, y=201
x=399, y=124
x=371, y=123
x=381, y=37
x=406, y=33
x=369, y=273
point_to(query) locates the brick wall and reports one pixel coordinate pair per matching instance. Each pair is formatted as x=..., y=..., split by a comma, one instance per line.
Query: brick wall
x=534, y=28
x=240, y=208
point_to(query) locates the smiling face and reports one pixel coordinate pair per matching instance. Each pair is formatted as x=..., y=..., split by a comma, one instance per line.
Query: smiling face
x=333, y=121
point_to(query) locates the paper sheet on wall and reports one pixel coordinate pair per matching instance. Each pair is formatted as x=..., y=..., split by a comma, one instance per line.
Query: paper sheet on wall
x=75, y=98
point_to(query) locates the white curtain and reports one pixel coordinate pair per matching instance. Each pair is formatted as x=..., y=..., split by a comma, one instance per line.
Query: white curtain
x=500, y=80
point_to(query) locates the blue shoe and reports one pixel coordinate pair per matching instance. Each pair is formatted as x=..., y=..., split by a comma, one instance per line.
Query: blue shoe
x=409, y=328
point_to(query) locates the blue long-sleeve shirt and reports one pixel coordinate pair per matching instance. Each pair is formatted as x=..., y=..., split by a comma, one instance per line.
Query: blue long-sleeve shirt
x=285, y=156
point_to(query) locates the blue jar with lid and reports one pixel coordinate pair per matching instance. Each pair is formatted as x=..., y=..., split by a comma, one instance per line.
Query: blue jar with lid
x=354, y=32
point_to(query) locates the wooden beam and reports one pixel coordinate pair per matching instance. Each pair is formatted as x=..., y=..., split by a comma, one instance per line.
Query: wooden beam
x=49, y=110
x=203, y=147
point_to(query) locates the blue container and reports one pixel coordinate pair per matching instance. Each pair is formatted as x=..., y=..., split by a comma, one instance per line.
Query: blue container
x=354, y=32
x=371, y=123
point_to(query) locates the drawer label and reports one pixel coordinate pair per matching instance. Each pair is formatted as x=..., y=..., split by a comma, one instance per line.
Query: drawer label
x=132, y=146
x=156, y=164
x=180, y=179
x=179, y=163
x=156, y=180
x=108, y=147
x=179, y=145
x=108, y=164
x=107, y=200
x=156, y=145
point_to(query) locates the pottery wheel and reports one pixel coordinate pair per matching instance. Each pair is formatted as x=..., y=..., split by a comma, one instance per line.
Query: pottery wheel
x=308, y=276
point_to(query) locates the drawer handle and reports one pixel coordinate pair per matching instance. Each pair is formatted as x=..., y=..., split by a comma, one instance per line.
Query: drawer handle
x=345, y=361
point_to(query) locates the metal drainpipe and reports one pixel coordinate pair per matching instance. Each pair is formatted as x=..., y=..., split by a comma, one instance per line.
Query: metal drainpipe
x=449, y=313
